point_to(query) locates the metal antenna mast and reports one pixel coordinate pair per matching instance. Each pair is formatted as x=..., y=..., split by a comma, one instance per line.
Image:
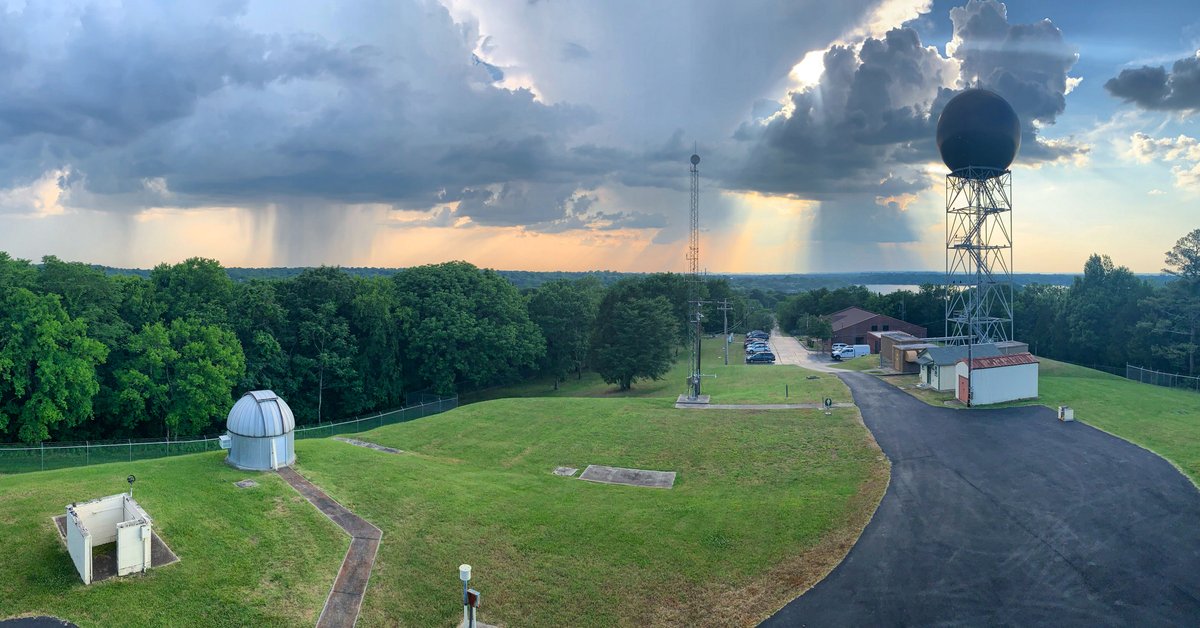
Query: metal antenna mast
x=693, y=256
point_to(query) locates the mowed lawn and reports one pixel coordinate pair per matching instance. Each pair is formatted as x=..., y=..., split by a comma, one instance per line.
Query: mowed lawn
x=249, y=557
x=764, y=504
x=736, y=382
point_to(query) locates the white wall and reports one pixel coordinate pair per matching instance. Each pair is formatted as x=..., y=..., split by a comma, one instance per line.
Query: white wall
x=1002, y=383
x=114, y=518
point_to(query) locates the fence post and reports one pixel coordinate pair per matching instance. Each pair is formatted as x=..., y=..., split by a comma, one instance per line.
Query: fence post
x=130, y=449
x=87, y=453
x=43, y=455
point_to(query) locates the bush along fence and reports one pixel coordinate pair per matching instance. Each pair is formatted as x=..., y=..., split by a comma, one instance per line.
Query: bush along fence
x=1158, y=378
x=55, y=455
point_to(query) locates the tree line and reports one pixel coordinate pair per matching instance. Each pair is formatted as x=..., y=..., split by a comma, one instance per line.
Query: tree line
x=1108, y=317
x=89, y=355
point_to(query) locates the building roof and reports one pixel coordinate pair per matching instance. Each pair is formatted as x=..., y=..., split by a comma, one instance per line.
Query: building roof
x=260, y=414
x=944, y=356
x=1015, y=359
x=849, y=316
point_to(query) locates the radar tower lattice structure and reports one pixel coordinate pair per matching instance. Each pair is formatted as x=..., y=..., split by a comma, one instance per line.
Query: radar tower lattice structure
x=979, y=249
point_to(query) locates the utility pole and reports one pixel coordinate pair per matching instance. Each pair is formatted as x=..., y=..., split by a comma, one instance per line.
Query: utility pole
x=725, y=313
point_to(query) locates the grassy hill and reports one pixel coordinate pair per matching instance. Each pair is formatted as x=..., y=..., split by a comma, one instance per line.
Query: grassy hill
x=249, y=557
x=764, y=504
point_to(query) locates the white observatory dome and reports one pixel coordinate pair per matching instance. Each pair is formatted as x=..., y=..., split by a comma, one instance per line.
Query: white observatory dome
x=260, y=427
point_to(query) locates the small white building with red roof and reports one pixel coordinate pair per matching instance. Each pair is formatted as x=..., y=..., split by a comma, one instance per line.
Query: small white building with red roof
x=996, y=379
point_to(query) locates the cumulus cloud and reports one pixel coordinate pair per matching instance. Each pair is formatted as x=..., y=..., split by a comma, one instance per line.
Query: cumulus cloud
x=1183, y=152
x=1156, y=88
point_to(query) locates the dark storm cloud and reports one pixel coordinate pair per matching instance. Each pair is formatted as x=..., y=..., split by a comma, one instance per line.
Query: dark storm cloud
x=193, y=100
x=873, y=115
x=1155, y=88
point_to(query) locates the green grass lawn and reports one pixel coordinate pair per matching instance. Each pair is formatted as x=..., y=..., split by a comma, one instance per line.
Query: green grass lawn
x=1163, y=420
x=736, y=382
x=765, y=502
x=248, y=557
x=862, y=363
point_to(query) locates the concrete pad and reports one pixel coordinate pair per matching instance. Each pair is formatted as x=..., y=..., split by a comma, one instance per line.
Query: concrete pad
x=44, y=621
x=246, y=484
x=630, y=477
x=685, y=401
x=363, y=443
x=565, y=471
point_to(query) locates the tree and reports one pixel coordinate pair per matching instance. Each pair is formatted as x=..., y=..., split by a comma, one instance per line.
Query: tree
x=564, y=311
x=47, y=366
x=467, y=326
x=627, y=344
x=1102, y=312
x=195, y=288
x=258, y=320
x=1173, y=313
x=181, y=374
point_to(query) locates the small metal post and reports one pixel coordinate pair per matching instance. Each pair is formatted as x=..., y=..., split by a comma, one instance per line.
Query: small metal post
x=785, y=391
x=130, y=449
x=464, y=574
x=43, y=443
x=87, y=453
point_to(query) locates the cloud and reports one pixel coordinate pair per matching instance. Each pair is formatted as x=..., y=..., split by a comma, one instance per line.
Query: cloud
x=1183, y=151
x=1155, y=88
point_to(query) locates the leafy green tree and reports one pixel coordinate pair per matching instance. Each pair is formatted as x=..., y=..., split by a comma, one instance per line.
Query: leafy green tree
x=258, y=319
x=627, y=345
x=47, y=366
x=467, y=326
x=1173, y=313
x=182, y=375
x=376, y=321
x=1102, y=312
x=322, y=352
x=196, y=288
x=564, y=311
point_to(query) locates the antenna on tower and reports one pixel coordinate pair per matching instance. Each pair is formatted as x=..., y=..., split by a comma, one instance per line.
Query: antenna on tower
x=694, y=292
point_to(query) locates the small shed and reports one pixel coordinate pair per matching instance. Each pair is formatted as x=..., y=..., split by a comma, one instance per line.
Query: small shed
x=261, y=432
x=938, y=363
x=113, y=519
x=998, y=379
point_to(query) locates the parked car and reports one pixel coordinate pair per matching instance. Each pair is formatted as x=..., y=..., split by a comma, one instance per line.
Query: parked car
x=758, y=334
x=758, y=347
x=766, y=357
x=837, y=348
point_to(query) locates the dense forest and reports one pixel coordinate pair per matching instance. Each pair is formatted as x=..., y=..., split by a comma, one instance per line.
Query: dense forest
x=1107, y=317
x=86, y=354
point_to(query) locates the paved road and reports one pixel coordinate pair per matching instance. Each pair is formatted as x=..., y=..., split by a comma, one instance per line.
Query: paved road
x=787, y=350
x=1009, y=517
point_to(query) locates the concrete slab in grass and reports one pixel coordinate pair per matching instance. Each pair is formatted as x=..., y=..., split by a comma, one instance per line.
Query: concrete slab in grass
x=565, y=471
x=631, y=477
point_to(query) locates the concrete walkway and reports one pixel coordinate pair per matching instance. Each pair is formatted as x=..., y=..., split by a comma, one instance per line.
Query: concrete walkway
x=1010, y=517
x=345, y=598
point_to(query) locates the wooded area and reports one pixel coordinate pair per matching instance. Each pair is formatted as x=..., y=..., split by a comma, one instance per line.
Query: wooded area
x=89, y=355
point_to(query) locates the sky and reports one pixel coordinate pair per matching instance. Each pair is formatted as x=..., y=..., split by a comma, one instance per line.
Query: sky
x=555, y=134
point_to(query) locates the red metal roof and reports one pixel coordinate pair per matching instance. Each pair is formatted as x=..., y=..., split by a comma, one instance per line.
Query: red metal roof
x=1015, y=359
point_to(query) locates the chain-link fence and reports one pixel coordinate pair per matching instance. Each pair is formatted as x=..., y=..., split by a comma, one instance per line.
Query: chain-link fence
x=56, y=455
x=1158, y=378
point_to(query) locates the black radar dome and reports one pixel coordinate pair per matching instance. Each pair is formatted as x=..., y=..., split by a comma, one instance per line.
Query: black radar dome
x=695, y=160
x=978, y=128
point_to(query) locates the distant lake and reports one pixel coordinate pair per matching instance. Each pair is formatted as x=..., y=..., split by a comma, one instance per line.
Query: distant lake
x=888, y=288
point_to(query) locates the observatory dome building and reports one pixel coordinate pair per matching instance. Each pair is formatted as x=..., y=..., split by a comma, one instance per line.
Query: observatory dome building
x=261, y=432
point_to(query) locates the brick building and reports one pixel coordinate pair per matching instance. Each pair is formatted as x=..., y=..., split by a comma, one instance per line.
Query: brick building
x=854, y=325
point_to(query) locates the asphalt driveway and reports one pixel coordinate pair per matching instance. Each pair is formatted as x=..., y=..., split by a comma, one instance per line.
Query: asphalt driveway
x=1009, y=517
